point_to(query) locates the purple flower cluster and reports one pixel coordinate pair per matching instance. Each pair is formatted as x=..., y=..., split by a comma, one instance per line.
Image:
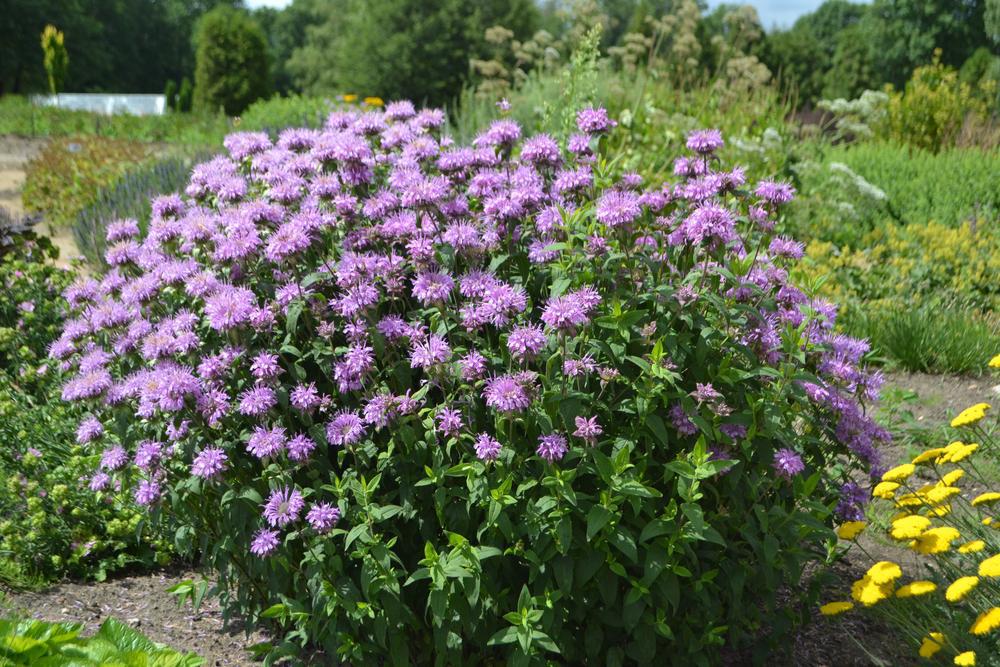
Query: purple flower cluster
x=316, y=292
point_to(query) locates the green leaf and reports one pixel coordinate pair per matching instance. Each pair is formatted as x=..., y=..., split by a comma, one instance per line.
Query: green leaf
x=505, y=636
x=274, y=611
x=597, y=518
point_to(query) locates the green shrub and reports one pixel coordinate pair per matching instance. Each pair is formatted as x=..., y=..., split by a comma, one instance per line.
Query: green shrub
x=185, y=96
x=34, y=643
x=51, y=524
x=231, y=67
x=279, y=113
x=650, y=446
x=66, y=176
x=170, y=95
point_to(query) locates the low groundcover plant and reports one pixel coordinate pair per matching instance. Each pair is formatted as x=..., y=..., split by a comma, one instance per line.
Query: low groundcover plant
x=415, y=398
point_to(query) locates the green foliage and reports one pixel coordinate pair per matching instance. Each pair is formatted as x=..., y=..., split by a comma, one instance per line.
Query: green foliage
x=185, y=96
x=65, y=177
x=932, y=110
x=232, y=69
x=170, y=95
x=33, y=643
x=51, y=524
x=18, y=116
x=55, y=57
x=279, y=113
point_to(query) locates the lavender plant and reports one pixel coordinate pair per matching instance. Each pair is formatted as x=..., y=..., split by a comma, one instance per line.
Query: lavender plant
x=412, y=398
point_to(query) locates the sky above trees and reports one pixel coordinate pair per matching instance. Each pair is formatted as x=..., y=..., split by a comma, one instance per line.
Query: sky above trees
x=772, y=13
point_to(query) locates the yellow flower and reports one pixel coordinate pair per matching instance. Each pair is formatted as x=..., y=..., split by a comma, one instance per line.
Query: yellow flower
x=915, y=588
x=995, y=362
x=986, y=498
x=952, y=477
x=948, y=450
x=884, y=571
x=960, y=588
x=963, y=453
x=899, y=473
x=834, y=608
x=350, y=97
x=936, y=540
x=867, y=592
x=374, y=101
x=885, y=490
x=909, y=500
x=971, y=415
x=988, y=521
x=909, y=527
x=940, y=494
x=967, y=659
x=972, y=547
x=990, y=567
x=850, y=530
x=939, y=510
x=929, y=455
x=931, y=644
x=988, y=620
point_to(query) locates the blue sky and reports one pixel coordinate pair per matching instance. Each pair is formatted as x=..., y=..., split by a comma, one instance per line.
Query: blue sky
x=780, y=13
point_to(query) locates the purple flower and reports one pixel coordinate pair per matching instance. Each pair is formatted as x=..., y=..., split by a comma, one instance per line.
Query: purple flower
x=681, y=421
x=114, y=458
x=229, y=307
x=283, y=507
x=487, y=447
x=345, y=429
x=300, y=447
x=616, y=208
x=430, y=352
x=147, y=493
x=380, y=410
x=571, y=311
x=525, y=342
x=705, y=393
x=266, y=442
x=449, y=422
x=552, y=447
x=775, y=193
x=594, y=120
x=148, y=454
x=99, y=481
x=265, y=366
x=257, y=401
x=588, y=429
x=705, y=142
x=734, y=431
x=783, y=247
x=209, y=463
x=265, y=543
x=472, y=365
x=787, y=463
x=323, y=517
x=507, y=394
x=431, y=288
x=89, y=429
x=305, y=397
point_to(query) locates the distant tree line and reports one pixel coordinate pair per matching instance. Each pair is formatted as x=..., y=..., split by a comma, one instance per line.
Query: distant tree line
x=422, y=49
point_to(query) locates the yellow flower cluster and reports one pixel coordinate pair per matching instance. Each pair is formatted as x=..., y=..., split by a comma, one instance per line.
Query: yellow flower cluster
x=933, y=518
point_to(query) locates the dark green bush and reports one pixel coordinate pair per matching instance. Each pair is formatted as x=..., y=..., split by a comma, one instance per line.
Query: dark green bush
x=231, y=70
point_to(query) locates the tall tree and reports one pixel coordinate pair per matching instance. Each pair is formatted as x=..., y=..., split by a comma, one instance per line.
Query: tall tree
x=231, y=62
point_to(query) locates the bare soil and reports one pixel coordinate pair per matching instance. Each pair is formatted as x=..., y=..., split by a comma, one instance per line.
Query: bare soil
x=142, y=601
x=15, y=153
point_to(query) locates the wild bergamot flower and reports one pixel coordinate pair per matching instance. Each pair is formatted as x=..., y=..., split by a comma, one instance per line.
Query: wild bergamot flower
x=990, y=567
x=899, y=473
x=834, y=608
x=909, y=527
x=960, y=588
x=987, y=498
x=915, y=588
x=850, y=530
x=987, y=621
x=971, y=415
x=931, y=644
